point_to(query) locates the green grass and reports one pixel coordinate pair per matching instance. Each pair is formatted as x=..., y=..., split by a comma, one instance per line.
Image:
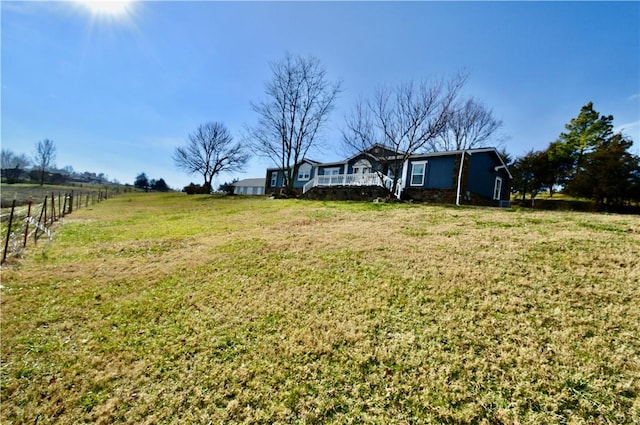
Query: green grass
x=158, y=308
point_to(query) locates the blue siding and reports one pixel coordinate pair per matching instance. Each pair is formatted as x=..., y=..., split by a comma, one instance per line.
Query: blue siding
x=482, y=174
x=296, y=184
x=439, y=173
x=279, y=178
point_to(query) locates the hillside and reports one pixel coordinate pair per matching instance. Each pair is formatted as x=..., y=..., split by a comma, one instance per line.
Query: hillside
x=158, y=308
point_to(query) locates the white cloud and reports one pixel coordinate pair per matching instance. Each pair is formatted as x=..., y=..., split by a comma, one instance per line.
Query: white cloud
x=628, y=126
x=630, y=129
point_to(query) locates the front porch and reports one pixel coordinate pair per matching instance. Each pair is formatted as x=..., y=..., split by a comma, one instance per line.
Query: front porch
x=358, y=179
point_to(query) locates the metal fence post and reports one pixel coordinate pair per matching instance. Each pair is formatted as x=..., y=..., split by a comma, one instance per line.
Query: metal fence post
x=26, y=226
x=6, y=242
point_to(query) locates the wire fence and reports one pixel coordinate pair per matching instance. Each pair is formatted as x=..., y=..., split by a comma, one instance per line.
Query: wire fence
x=28, y=224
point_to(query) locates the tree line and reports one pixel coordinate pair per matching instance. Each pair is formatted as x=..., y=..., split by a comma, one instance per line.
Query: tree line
x=588, y=160
x=39, y=167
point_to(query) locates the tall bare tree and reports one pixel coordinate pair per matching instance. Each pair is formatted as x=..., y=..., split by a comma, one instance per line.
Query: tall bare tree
x=471, y=123
x=298, y=101
x=44, y=156
x=401, y=121
x=210, y=150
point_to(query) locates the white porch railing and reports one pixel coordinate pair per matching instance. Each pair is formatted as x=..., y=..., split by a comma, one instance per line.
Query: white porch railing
x=368, y=179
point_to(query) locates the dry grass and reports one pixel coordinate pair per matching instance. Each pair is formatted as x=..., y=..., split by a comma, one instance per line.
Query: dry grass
x=164, y=308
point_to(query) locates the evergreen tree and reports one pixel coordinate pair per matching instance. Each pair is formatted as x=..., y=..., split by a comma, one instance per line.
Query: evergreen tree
x=584, y=134
x=142, y=182
x=527, y=172
x=160, y=185
x=610, y=173
x=228, y=187
x=599, y=164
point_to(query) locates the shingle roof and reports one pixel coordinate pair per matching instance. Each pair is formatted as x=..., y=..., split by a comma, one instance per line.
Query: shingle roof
x=250, y=183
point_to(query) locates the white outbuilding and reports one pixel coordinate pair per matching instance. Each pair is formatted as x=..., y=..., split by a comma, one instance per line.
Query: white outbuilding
x=249, y=187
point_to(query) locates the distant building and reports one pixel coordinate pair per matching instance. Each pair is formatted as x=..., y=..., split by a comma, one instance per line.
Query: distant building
x=249, y=187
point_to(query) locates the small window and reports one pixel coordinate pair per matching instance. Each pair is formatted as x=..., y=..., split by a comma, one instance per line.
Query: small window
x=417, y=173
x=274, y=179
x=497, y=188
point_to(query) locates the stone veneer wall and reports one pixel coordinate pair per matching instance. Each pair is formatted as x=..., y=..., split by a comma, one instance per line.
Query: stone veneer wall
x=346, y=193
x=437, y=196
x=445, y=196
x=370, y=193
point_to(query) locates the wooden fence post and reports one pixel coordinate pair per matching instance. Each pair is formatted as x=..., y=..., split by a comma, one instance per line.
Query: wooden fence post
x=6, y=242
x=71, y=202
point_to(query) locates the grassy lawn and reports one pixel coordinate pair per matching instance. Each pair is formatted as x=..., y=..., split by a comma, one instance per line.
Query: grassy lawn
x=164, y=308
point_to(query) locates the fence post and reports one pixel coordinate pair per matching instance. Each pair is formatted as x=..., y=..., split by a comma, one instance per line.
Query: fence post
x=53, y=207
x=42, y=211
x=71, y=202
x=26, y=225
x=6, y=242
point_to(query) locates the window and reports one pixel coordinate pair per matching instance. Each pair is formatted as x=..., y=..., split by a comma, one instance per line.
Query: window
x=331, y=171
x=362, y=167
x=417, y=173
x=497, y=188
x=274, y=179
x=304, y=172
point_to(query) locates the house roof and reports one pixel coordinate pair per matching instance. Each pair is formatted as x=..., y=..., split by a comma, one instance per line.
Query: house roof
x=414, y=156
x=257, y=182
x=310, y=161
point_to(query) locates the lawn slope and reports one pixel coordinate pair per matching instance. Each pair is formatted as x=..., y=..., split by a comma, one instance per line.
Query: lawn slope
x=160, y=308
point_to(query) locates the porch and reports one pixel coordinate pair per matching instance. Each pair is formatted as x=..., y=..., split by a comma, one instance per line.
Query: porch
x=358, y=179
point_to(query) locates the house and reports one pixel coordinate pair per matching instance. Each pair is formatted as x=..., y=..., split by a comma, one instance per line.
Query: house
x=306, y=172
x=462, y=177
x=249, y=187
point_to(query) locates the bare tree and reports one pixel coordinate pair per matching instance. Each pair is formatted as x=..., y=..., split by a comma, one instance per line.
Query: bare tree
x=11, y=164
x=44, y=156
x=471, y=123
x=290, y=120
x=400, y=122
x=210, y=150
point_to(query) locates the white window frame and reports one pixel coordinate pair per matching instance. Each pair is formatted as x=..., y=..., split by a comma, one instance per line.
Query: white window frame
x=333, y=171
x=363, y=166
x=304, y=172
x=274, y=178
x=424, y=173
x=497, y=188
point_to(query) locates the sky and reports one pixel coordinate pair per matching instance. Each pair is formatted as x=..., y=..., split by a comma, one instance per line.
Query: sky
x=117, y=90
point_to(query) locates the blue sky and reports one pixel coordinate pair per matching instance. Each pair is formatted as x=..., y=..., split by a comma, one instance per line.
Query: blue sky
x=118, y=93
